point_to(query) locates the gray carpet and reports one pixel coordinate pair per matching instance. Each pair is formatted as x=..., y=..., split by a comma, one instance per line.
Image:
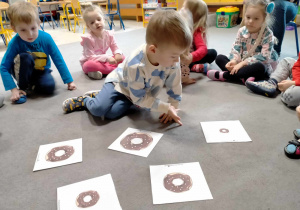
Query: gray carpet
x=254, y=175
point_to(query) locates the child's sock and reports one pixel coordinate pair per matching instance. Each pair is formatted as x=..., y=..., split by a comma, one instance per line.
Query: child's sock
x=273, y=81
x=250, y=79
x=200, y=68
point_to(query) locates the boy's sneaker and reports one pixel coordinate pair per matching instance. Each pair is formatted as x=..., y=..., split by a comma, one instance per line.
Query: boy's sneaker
x=95, y=75
x=266, y=87
x=92, y=93
x=73, y=104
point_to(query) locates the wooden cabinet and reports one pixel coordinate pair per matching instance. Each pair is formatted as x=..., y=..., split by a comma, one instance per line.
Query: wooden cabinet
x=131, y=8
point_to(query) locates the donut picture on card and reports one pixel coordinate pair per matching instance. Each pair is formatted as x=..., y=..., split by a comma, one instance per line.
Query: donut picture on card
x=87, y=199
x=178, y=182
x=224, y=130
x=59, y=153
x=136, y=141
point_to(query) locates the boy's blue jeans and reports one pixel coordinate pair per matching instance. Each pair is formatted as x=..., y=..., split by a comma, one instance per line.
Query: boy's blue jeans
x=108, y=103
x=284, y=12
x=28, y=76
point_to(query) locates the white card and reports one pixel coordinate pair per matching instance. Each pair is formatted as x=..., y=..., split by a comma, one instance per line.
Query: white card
x=93, y=194
x=191, y=186
x=136, y=142
x=58, y=154
x=224, y=131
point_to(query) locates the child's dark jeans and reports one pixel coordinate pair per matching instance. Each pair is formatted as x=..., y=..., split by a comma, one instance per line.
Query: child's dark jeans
x=27, y=76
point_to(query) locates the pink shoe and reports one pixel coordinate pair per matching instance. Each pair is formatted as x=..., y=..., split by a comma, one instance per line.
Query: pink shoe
x=250, y=79
x=211, y=75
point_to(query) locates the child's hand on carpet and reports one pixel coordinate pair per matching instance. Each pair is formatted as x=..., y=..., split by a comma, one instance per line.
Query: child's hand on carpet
x=71, y=86
x=16, y=94
x=170, y=116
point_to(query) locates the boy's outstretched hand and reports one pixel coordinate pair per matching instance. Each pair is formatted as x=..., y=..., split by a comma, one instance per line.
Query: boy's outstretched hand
x=171, y=115
x=16, y=94
x=71, y=86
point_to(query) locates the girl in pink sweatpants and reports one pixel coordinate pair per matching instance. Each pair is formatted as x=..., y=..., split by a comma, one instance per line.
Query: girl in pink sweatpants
x=94, y=61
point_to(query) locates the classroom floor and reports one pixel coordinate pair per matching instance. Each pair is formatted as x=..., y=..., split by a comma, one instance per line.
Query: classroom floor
x=253, y=175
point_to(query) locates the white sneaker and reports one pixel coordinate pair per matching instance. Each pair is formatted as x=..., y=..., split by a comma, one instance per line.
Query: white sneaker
x=95, y=75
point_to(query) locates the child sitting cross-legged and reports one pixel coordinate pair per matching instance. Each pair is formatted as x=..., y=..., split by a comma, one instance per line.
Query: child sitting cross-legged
x=199, y=57
x=142, y=75
x=94, y=61
x=252, y=56
x=27, y=57
x=290, y=89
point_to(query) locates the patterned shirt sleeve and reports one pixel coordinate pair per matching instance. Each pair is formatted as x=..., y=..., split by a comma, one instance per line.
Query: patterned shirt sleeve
x=173, y=86
x=113, y=45
x=236, y=50
x=139, y=90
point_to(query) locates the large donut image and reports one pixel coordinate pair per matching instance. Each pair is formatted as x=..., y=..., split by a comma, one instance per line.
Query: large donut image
x=51, y=156
x=185, y=186
x=94, y=199
x=127, y=143
x=224, y=130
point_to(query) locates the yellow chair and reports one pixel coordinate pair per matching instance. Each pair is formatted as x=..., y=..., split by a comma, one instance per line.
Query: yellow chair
x=63, y=15
x=6, y=33
x=77, y=14
x=4, y=5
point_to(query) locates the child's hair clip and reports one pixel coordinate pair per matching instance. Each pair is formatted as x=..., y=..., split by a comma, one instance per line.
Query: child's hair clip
x=270, y=7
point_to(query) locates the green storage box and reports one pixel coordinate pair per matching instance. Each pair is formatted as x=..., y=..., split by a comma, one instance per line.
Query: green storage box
x=227, y=17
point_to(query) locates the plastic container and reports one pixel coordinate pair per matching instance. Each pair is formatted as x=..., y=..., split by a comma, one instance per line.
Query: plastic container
x=227, y=17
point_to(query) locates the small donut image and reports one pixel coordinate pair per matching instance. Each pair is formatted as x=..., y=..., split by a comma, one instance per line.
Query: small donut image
x=185, y=186
x=51, y=155
x=127, y=143
x=94, y=199
x=224, y=130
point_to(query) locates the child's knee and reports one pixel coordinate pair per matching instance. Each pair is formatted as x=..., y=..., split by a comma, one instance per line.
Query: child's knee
x=94, y=108
x=213, y=53
x=219, y=59
x=47, y=88
x=25, y=59
x=290, y=99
